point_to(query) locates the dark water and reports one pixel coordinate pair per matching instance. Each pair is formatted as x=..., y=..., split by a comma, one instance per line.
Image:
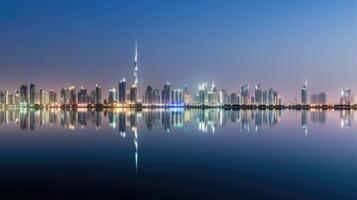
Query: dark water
x=178, y=154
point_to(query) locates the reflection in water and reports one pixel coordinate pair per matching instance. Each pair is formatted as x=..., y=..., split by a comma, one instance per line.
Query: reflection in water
x=346, y=118
x=206, y=121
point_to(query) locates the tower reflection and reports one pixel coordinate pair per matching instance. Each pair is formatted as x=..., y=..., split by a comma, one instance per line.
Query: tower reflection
x=205, y=120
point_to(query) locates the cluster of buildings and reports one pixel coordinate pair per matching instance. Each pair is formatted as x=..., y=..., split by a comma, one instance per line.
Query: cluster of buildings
x=123, y=96
x=321, y=98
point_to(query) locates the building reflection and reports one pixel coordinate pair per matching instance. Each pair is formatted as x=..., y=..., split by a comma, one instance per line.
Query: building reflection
x=346, y=118
x=204, y=120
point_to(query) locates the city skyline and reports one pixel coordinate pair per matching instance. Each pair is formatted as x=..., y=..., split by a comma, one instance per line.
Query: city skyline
x=181, y=43
x=27, y=95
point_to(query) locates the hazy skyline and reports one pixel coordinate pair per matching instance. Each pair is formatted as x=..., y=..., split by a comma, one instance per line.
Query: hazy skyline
x=276, y=43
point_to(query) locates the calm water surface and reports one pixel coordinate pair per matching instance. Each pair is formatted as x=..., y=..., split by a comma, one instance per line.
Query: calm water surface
x=178, y=154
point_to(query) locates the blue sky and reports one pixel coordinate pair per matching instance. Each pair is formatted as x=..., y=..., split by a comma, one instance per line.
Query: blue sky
x=278, y=43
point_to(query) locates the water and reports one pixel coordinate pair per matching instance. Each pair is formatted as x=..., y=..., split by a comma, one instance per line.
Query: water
x=178, y=154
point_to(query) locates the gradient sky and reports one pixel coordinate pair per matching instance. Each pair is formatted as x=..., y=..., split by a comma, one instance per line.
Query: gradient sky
x=278, y=43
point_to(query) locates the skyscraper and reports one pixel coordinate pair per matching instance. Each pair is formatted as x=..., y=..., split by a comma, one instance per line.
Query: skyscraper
x=133, y=94
x=156, y=96
x=136, y=65
x=346, y=97
x=244, y=93
x=82, y=96
x=112, y=96
x=258, y=95
x=32, y=95
x=16, y=98
x=177, y=97
x=122, y=90
x=44, y=97
x=304, y=94
x=318, y=99
x=166, y=94
x=148, y=96
x=23, y=95
x=134, y=88
x=98, y=95
x=53, y=97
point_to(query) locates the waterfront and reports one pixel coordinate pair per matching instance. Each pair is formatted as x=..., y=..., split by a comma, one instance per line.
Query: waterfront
x=178, y=153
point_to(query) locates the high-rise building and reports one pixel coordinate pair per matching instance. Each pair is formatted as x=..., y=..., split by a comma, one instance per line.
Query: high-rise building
x=149, y=95
x=234, y=99
x=63, y=96
x=177, y=97
x=82, y=96
x=133, y=94
x=134, y=88
x=258, y=95
x=304, y=94
x=32, y=95
x=265, y=97
x=165, y=97
x=98, y=95
x=72, y=95
x=23, y=95
x=318, y=99
x=122, y=91
x=272, y=95
x=346, y=97
x=223, y=97
x=156, y=96
x=8, y=98
x=244, y=94
x=112, y=98
x=2, y=98
x=136, y=65
x=16, y=98
x=186, y=95
x=53, y=97
x=44, y=97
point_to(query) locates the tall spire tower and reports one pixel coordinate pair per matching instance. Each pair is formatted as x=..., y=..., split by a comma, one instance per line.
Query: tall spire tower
x=136, y=65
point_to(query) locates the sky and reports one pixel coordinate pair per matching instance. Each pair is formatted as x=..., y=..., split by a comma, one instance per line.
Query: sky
x=229, y=42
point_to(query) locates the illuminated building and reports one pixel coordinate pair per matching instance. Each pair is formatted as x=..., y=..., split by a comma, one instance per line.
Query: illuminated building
x=16, y=98
x=112, y=98
x=82, y=96
x=23, y=95
x=165, y=97
x=149, y=95
x=8, y=98
x=177, y=97
x=346, y=97
x=201, y=94
x=53, y=97
x=98, y=95
x=44, y=97
x=68, y=96
x=318, y=99
x=265, y=97
x=122, y=91
x=223, y=98
x=133, y=94
x=234, y=99
x=273, y=97
x=258, y=95
x=156, y=96
x=244, y=94
x=186, y=95
x=304, y=94
x=2, y=98
x=32, y=95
